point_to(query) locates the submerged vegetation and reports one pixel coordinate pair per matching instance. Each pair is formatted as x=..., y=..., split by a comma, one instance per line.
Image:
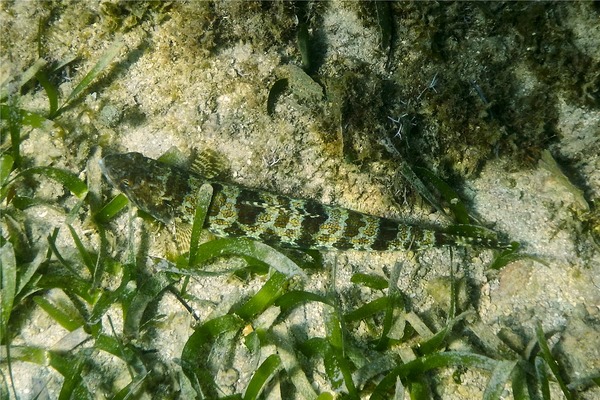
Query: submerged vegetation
x=82, y=263
x=391, y=359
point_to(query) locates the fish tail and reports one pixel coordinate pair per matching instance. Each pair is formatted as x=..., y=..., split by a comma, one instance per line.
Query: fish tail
x=470, y=235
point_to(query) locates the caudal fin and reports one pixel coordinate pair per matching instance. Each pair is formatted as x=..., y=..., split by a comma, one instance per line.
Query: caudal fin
x=471, y=235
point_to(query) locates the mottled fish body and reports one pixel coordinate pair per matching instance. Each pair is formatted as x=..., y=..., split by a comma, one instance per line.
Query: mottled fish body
x=169, y=194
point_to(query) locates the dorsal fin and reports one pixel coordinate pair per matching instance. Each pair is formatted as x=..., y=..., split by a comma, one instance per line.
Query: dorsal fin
x=209, y=164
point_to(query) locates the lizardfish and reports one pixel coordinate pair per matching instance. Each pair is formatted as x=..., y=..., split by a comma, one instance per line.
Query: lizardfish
x=169, y=194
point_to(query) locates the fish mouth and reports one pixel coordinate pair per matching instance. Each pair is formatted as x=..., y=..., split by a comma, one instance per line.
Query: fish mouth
x=106, y=171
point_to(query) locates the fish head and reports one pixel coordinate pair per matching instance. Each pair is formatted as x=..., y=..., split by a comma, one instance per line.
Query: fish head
x=148, y=183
